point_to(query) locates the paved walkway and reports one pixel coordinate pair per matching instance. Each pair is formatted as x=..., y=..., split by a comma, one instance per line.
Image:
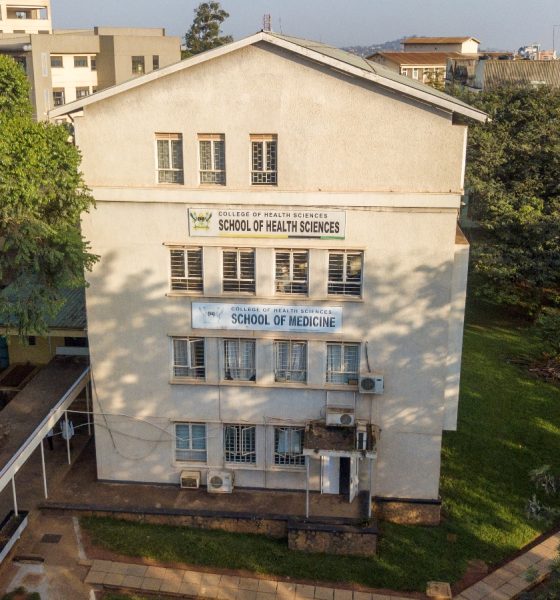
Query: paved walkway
x=503, y=584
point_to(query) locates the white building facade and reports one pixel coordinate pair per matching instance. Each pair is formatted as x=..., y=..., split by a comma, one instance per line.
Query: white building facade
x=276, y=222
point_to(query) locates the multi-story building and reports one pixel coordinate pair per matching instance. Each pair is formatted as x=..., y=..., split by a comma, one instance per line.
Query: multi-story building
x=463, y=45
x=279, y=300
x=65, y=65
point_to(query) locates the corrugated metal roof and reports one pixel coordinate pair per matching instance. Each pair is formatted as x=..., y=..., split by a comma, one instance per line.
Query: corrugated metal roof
x=419, y=58
x=72, y=315
x=521, y=72
x=439, y=40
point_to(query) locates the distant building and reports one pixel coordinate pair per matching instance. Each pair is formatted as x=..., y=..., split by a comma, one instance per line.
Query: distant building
x=463, y=45
x=66, y=65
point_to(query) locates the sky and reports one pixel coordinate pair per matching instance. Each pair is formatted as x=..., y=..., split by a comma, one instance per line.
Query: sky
x=499, y=24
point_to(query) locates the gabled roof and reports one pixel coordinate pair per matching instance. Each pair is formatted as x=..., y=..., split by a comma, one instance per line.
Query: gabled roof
x=420, y=58
x=439, y=40
x=321, y=53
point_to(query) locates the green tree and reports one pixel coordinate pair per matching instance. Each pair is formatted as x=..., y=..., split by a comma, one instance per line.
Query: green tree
x=204, y=33
x=42, y=196
x=513, y=177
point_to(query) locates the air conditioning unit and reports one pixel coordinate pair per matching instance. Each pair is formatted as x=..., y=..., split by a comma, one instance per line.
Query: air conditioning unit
x=190, y=480
x=340, y=416
x=371, y=384
x=219, y=482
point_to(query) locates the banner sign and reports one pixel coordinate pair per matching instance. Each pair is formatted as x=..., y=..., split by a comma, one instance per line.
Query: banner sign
x=266, y=317
x=271, y=223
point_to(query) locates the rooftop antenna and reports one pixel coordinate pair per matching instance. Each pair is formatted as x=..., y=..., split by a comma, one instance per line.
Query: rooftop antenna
x=267, y=23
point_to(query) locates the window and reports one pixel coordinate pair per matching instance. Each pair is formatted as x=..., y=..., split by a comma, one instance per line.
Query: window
x=190, y=441
x=239, y=360
x=155, y=62
x=58, y=96
x=82, y=92
x=290, y=361
x=188, y=358
x=264, y=167
x=212, y=150
x=186, y=269
x=415, y=73
x=343, y=362
x=240, y=444
x=291, y=271
x=288, y=446
x=56, y=62
x=239, y=270
x=93, y=64
x=169, y=157
x=138, y=67
x=345, y=273
x=32, y=340
x=80, y=61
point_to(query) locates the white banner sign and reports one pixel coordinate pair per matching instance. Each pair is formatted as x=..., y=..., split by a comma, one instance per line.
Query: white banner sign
x=267, y=317
x=272, y=223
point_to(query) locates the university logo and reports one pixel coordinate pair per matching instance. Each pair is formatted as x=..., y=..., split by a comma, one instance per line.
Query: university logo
x=200, y=220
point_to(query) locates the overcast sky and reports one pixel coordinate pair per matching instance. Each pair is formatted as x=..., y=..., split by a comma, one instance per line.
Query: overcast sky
x=501, y=24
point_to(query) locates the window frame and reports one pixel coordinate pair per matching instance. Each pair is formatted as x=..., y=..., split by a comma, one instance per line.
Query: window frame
x=140, y=60
x=81, y=58
x=288, y=458
x=155, y=62
x=216, y=176
x=291, y=282
x=187, y=283
x=80, y=92
x=239, y=455
x=345, y=377
x=250, y=371
x=61, y=100
x=194, y=372
x=266, y=175
x=175, y=172
x=350, y=288
x=190, y=451
x=240, y=282
x=290, y=373
x=54, y=58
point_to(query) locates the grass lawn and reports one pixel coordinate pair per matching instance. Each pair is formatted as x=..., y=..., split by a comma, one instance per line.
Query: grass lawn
x=509, y=424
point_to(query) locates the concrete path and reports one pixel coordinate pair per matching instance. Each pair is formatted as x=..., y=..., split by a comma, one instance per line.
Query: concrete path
x=503, y=584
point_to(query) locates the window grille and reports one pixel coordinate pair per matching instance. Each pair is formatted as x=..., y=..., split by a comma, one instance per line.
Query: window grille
x=343, y=362
x=240, y=444
x=239, y=360
x=190, y=442
x=138, y=65
x=186, y=269
x=212, y=159
x=80, y=61
x=239, y=270
x=169, y=157
x=82, y=92
x=345, y=273
x=264, y=157
x=58, y=97
x=290, y=361
x=188, y=358
x=288, y=446
x=56, y=62
x=292, y=271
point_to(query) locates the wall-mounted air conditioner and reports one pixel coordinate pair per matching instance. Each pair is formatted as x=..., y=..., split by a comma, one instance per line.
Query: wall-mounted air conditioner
x=190, y=480
x=371, y=384
x=340, y=416
x=219, y=482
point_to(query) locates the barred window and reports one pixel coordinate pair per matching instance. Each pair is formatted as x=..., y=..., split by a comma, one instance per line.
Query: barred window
x=56, y=62
x=345, y=273
x=239, y=360
x=343, y=362
x=82, y=92
x=288, y=446
x=81, y=61
x=290, y=360
x=188, y=358
x=212, y=149
x=264, y=159
x=186, y=269
x=240, y=444
x=58, y=96
x=190, y=441
x=292, y=271
x=239, y=270
x=169, y=157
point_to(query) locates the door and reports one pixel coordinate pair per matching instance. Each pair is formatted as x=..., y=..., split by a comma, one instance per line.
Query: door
x=330, y=475
x=4, y=354
x=345, y=477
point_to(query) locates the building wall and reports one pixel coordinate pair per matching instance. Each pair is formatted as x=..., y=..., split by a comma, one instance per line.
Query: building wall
x=38, y=350
x=468, y=47
x=394, y=167
x=37, y=20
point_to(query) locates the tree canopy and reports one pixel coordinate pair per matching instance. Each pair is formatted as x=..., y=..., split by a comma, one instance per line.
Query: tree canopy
x=513, y=178
x=205, y=32
x=42, y=195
